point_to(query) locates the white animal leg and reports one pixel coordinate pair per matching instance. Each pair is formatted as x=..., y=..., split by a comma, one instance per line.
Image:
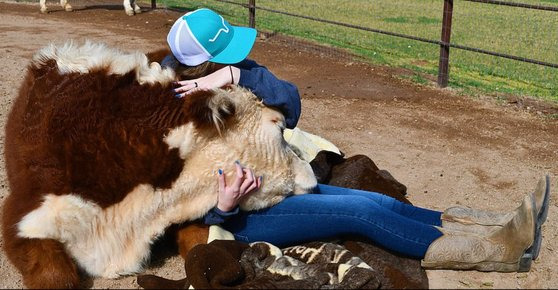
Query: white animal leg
x=137, y=9
x=128, y=8
x=66, y=5
x=44, y=9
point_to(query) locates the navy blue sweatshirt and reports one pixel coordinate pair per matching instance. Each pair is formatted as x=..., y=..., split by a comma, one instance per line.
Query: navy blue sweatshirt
x=273, y=92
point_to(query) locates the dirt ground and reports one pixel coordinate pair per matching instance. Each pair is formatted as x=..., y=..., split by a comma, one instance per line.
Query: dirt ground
x=448, y=149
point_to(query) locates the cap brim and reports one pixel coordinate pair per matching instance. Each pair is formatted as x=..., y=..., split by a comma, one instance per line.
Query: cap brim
x=239, y=47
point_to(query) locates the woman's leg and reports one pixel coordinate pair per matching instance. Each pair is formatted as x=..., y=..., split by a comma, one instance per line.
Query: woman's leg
x=309, y=217
x=423, y=215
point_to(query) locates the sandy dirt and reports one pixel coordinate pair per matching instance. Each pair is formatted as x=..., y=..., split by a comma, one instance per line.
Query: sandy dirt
x=448, y=149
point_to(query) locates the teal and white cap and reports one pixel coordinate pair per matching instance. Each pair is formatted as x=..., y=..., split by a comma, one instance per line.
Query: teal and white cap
x=203, y=35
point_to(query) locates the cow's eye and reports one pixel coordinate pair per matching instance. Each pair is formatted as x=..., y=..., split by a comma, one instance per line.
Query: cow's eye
x=281, y=126
x=279, y=123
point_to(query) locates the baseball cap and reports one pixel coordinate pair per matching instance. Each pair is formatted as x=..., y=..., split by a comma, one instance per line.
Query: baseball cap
x=203, y=35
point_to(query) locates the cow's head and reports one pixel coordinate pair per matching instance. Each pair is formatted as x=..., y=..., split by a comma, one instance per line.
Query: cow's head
x=232, y=124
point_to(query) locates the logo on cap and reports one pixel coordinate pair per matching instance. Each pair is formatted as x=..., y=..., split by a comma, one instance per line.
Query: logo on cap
x=225, y=30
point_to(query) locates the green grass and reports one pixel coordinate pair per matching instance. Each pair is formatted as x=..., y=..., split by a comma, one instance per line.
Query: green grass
x=521, y=32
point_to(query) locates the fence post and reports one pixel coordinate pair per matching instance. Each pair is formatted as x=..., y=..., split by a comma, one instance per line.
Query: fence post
x=153, y=4
x=443, y=68
x=252, y=12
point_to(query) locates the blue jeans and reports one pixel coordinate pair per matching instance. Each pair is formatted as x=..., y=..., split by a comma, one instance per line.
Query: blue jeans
x=332, y=211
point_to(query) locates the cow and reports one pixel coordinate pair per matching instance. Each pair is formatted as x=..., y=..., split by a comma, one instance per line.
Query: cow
x=101, y=158
x=130, y=6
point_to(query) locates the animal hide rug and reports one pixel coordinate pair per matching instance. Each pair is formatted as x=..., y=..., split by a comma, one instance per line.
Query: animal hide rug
x=233, y=264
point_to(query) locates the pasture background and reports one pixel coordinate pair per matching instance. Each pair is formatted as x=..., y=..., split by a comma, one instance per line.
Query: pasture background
x=510, y=30
x=447, y=148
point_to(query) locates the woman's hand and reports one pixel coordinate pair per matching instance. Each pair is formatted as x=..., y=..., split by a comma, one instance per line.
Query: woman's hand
x=245, y=183
x=222, y=77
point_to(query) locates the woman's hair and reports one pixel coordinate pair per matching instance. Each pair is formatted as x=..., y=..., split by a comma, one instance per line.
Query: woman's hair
x=190, y=72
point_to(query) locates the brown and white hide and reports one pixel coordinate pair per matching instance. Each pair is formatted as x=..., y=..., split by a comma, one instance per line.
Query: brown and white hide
x=101, y=158
x=232, y=264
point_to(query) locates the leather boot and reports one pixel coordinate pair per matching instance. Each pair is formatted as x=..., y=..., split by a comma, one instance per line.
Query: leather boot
x=466, y=219
x=502, y=250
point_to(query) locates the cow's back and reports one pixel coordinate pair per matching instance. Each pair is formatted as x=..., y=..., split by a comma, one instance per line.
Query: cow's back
x=93, y=134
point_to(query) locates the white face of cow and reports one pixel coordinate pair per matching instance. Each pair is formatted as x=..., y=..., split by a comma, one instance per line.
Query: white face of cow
x=253, y=135
x=270, y=156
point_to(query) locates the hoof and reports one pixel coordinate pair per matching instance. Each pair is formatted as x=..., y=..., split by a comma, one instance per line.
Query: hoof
x=68, y=8
x=44, y=10
x=137, y=10
x=130, y=12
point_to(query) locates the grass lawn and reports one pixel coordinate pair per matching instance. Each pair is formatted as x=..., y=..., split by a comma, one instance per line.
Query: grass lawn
x=522, y=32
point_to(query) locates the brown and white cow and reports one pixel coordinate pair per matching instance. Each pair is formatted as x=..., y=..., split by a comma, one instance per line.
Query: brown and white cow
x=101, y=158
x=130, y=6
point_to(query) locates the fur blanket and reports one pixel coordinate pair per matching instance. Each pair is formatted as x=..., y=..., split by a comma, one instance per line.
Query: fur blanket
x=315, y=265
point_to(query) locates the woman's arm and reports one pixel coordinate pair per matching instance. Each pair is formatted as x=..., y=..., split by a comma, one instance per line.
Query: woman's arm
x=273, y=91
x=248, y=74
x=229, y=196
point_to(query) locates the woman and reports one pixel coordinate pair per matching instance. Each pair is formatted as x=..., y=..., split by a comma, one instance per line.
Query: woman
x=211, y=53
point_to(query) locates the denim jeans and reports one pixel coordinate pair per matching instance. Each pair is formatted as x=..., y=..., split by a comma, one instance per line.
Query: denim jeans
x=332, y=211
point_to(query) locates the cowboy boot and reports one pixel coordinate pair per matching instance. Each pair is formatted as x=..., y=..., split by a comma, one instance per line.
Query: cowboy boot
x=502, y=250
x=466, y=219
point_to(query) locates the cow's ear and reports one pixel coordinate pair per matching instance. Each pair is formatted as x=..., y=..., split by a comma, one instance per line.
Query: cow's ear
x=210, y=110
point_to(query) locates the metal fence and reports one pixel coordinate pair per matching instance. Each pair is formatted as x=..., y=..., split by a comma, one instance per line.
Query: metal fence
x=519, y=52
